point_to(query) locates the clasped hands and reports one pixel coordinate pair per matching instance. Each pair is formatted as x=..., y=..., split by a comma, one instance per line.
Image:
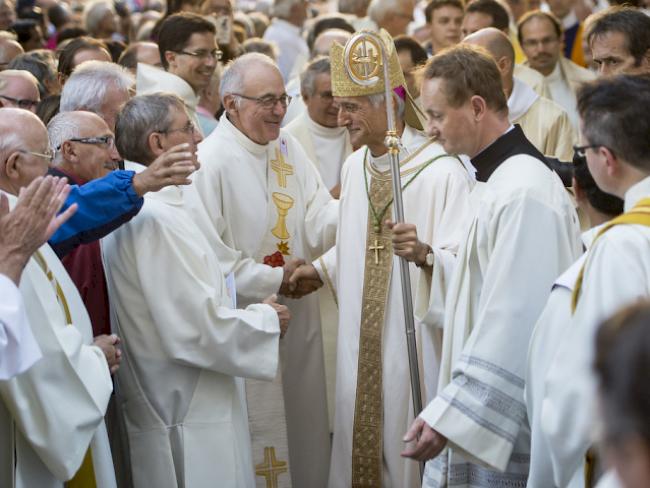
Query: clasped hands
x=299, y=279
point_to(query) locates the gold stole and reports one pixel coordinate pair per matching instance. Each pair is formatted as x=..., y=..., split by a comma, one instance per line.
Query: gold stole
x=85, y=476
x=367, y=435
x=639, y=215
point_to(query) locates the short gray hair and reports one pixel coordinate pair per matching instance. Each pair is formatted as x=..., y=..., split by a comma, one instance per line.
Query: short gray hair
x=87, y=86
x=318, y=66
x=62, y=127
x=94, y=12
x=141, y=116
x=378, y=99
x=378, y=9
x=232, y=80
x=282, y=8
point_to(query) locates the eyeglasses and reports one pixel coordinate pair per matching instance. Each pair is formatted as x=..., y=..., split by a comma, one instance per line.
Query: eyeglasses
x=547, y=41
x=107, y=142
x=215, y=54
x=581, y=151
x=268, y=101
x=21, y=102
x=187, y=129
x=49, y=155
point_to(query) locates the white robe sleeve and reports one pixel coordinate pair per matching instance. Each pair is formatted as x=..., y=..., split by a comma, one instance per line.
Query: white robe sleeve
x=482, y=409
x=194, y=326
x=615, y=275
x=60, y=401
x=18, y=348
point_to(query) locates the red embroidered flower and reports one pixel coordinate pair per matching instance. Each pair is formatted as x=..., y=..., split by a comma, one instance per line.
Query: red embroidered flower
x=274, y=260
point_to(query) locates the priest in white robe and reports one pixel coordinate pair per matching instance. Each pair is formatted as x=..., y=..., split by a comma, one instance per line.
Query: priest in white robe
x=436, y=190
x=52, y=415
x=544, y=123
x=266, y=199
x=184, y=344
x=524, y=233
x=613, y=112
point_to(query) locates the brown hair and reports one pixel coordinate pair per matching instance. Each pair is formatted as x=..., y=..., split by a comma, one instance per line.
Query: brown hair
x=468, y=71
x=176, y=30
x=67, y=54
x=538, y=14
x=434, y=5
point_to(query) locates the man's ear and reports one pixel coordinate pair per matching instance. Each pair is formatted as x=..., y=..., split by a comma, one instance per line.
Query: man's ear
x=478, y=107
x=170, y=57
x=155, y=144
x=69, y=152
x=230, y=103
x=612, y=163
x=11, y=166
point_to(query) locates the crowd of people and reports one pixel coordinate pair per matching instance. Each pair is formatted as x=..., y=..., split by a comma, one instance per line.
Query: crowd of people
x=200, y=250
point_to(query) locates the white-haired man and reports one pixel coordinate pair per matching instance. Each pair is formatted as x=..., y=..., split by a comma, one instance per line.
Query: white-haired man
x=372, y=382
x=284, y=31
x=99, y=87
x=392, y=15
x=184, y=341
x=273, y=183
x=19, y=89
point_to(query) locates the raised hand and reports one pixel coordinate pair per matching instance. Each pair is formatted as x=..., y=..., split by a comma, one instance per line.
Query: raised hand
x=109, y=346
x=303, y=281
x=284, y=315
x=173, y=167
x=31, y=223
x=406, y=243
x=428, y=442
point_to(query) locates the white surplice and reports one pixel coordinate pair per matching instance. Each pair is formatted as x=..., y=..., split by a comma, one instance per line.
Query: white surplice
x=183, y=346
x=524, y=234
x=437, y=202
x=18, y=347
x=617, y=273
x=51, y=414
x=233, y=184
x=326, y=147
x=544, y=122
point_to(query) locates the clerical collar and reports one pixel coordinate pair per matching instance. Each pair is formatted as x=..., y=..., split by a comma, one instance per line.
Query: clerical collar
x=637, y=192
x=509, y=144
x=240, y=138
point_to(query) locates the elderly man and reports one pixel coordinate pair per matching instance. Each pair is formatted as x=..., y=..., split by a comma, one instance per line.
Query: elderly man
x=273, y=183
x=38, y=450
x=541, y=38
x=19, y=89
x=284, y=31
x=523, y=235
x=392, y=15
x=544, y=123
x=189, y=54
x=22, y=231
x=327, y=145
x=372, y=382
x=181, y=395
x=9, y=49
x=619, y=39
x=99, y=87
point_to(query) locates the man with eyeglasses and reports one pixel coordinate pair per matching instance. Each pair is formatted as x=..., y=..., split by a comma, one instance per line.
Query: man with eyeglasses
x=19, y=89
x=189, y=54
x=266, y=199
x=541, y=37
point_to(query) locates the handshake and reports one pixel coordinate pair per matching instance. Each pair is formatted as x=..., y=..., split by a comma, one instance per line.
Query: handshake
x=299, y=279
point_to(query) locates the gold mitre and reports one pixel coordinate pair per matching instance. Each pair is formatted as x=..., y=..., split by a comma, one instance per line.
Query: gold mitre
x=365, y=62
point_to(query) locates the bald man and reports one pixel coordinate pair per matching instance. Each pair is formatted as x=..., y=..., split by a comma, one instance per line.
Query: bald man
x=9, y=49
x=544, y=122
x=325, y=39
x=19, y=89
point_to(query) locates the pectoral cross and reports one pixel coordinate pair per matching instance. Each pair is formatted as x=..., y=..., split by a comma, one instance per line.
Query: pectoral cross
x=281, y=168
x=376, y=248
x=270, y=468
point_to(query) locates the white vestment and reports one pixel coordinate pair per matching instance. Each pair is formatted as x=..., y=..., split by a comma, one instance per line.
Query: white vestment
x=524, y=234
x=617, y=273
x=183, y=346
x=293, y=48
x=51, y=414
x=234, y=183
x=437, y=202
x=326, y=147
x=18, y=347
x=532, y=78
x=544, y=123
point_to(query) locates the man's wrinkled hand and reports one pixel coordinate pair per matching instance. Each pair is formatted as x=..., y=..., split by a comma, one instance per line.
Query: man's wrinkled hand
x=428, y=442
x=109, y=346
x=303, y=281
x=284, y=315
x=406, y=243
x=173, y=167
